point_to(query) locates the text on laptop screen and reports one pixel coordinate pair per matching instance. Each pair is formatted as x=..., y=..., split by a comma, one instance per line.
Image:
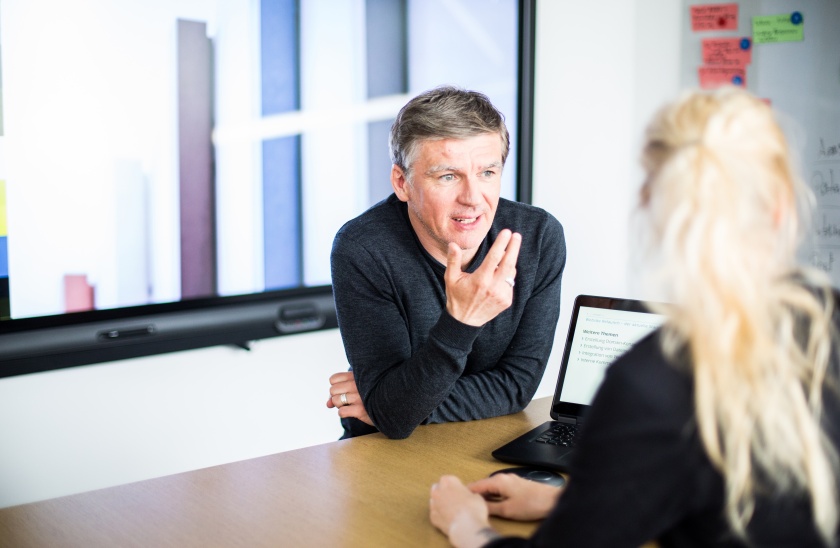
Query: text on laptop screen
x=601, y=335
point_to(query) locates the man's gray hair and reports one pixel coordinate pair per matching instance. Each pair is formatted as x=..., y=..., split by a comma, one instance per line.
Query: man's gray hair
x=445, y=112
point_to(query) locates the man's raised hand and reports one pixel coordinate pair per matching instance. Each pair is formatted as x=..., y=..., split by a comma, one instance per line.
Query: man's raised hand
x=478, y=297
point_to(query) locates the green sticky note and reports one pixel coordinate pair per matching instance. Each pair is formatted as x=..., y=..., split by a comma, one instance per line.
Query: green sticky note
x=770, y=29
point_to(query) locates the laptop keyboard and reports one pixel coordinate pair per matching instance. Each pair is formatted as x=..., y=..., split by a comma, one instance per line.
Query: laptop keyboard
x=560, y=433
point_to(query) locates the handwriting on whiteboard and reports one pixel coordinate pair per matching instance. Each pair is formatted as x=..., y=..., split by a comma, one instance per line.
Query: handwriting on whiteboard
x=828, y=150
x=824, y=182
x=824, y=260
x=827, y=226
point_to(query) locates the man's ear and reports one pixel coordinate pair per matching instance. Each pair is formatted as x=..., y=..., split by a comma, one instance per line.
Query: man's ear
x=400, y=183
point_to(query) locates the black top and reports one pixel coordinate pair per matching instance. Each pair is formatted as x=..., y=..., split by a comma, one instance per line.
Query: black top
x=413, y=362
x=641, y=472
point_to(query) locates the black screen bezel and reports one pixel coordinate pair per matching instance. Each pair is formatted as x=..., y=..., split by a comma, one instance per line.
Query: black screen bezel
x=31, y=345
x=560, y=408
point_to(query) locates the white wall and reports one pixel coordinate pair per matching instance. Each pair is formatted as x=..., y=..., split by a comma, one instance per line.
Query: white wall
x=89, y=427
x=600, y=73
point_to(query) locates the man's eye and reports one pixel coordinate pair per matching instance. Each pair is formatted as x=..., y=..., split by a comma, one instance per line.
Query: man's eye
x=448, y=178
x=489, y=173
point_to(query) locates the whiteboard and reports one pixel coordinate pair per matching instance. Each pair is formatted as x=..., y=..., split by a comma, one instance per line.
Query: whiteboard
x=801, y=79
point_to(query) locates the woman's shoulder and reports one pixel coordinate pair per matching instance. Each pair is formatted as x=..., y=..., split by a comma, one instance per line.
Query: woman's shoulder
x=644, y=371
x=647, y=356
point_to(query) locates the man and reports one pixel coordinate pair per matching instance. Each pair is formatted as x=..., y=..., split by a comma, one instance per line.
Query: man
x=439, y=321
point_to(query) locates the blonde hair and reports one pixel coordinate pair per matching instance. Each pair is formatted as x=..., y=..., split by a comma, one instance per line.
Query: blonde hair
x=721, y=205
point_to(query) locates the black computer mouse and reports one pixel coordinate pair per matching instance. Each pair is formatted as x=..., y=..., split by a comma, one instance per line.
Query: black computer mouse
x=540, y=475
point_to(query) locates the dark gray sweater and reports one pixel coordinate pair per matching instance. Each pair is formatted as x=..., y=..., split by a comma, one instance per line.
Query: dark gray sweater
x=413, y=362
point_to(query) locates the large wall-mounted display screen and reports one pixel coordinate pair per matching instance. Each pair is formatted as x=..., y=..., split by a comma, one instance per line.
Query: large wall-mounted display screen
x=172, y=172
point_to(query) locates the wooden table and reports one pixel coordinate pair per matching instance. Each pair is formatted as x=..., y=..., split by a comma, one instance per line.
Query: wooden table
x=367, y=491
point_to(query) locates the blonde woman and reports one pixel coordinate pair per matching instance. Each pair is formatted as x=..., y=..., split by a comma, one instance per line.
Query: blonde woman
x=723, y=427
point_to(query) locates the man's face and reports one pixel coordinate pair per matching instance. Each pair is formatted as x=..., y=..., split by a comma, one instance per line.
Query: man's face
x=453, y=192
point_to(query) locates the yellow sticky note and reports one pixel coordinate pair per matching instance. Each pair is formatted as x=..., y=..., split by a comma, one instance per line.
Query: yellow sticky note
x=3, y=229
x=770, y=29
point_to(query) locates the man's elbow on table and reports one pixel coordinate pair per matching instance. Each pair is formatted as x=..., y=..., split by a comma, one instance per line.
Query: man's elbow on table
x=394, y=431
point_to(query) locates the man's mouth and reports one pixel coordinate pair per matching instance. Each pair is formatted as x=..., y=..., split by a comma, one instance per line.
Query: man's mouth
x=465, y=220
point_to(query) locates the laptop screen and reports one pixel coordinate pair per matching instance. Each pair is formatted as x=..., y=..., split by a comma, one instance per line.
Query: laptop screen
x=601, y=329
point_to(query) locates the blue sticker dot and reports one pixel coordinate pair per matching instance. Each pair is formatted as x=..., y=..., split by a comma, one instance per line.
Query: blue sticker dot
x=745, y=43
x=737, y=80
x=796, y=18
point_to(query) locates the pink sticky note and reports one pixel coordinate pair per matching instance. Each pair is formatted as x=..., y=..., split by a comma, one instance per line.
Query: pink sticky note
x=714, y=17
x=715, y=77
x=727, y=52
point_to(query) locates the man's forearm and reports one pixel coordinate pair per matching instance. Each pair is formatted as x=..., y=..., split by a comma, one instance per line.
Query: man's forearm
x=400, y=397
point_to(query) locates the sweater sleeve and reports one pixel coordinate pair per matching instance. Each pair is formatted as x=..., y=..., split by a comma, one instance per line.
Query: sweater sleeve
x=399, y=389
x=510, y=385
x=403, y=384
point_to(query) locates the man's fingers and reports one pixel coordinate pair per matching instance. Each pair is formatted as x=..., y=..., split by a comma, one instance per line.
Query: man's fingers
x=344, y=396
x=344, y=376
x=497, y=250
x=357, y=411
x=496, y=253
x=350, y=398
x=508, y=262
x=453, y=260
x=338, y=402
x=343, y=388
x=478, y=297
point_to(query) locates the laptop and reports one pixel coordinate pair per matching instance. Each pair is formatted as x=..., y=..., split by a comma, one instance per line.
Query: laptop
x=600, y=330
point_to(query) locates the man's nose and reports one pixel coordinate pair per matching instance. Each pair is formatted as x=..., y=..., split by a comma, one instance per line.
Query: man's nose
x=470, y=191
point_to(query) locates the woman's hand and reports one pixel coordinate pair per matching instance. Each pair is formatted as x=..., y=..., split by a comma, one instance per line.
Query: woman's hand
x=459, y=513
x=512, y=497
